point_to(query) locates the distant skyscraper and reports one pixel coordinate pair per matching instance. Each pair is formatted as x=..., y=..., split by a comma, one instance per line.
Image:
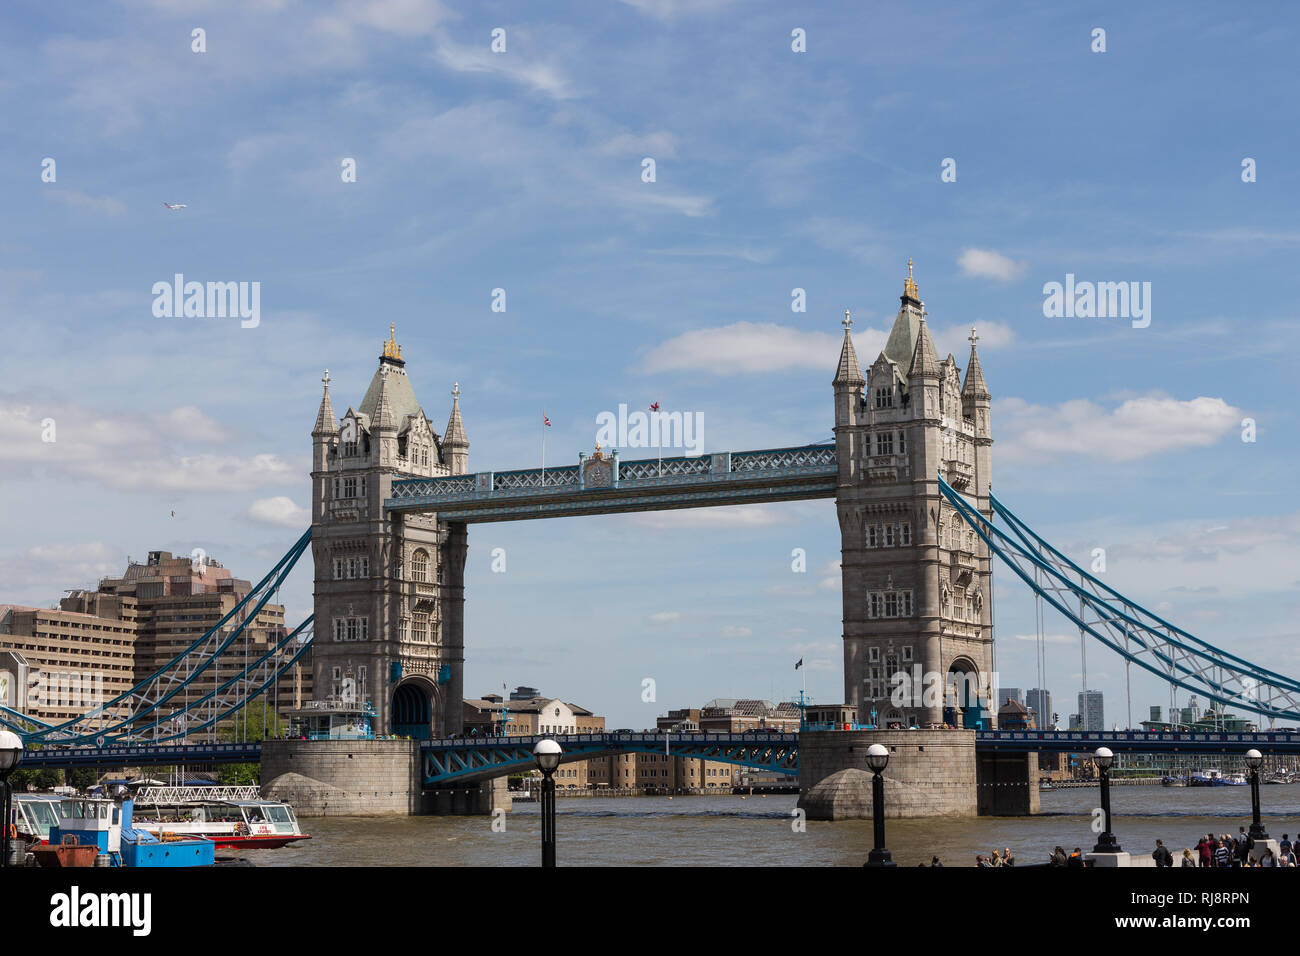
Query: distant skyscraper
x=1155, y=714
x=1039, y=702
x=1091, y=715
x=1012, y=693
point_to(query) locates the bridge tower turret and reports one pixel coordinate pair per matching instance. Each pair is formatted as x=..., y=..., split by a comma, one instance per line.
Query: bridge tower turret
x=389, y=590
x=916, y=581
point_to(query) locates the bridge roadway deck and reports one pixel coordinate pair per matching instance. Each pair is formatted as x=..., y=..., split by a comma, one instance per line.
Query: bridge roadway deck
x=609, y=486
x=474, y=755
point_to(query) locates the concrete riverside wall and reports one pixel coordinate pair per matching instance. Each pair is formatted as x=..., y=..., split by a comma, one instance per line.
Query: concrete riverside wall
x=365, y=778
x=930, y=773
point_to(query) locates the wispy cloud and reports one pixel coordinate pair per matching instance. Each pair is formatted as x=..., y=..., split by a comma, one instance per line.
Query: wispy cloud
x=988, y=264
x=750, y=347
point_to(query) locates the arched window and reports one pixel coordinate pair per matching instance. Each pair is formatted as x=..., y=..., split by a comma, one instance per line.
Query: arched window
x=420, y=565
x=419, y=626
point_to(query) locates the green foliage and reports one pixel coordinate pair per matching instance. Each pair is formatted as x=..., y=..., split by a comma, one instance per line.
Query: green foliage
x=41, y=779
x=252, y=723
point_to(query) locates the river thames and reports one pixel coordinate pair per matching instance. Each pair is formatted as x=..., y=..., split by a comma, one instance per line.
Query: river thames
x=757, y=831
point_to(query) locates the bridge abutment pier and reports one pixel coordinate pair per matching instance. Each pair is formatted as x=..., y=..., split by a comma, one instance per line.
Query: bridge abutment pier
x=478, y=799
x=1008, y=784
x=332, y=778
x=366, y=778
x=930, y=773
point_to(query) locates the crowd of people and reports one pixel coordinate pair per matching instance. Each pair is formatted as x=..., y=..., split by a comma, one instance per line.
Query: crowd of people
x=1229, y=851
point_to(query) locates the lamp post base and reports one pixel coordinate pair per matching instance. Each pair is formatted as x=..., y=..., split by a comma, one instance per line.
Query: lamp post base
x=879, y=858
x=1106, y=844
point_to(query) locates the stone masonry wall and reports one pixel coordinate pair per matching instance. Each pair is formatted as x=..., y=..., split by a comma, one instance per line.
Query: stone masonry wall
x=930, y=773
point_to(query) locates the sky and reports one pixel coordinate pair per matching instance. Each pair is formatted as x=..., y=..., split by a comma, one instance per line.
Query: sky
x=992, y=143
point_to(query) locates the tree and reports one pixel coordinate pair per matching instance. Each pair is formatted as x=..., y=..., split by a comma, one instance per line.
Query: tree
x=255, y=721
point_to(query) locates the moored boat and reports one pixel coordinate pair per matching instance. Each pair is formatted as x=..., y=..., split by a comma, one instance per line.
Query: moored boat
x=91, y=831
x=232, y=817
x=1206, y=778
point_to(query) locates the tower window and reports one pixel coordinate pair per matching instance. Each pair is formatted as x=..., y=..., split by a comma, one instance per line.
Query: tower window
x=885, y=397
x=891, y=537
x=884, y=443
x=419, y=626
x=349, y=487
x=873, y=536
x=420, y=565
x=906, y=533
x=902, y=443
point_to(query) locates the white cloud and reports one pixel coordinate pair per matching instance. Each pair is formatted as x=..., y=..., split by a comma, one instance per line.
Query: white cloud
x=664, y=617
x=540, y=77
x=670, y=9
x=1137, y=428
x=279, y=510
x=747, y=347
x=987, y=264
x=658, y=144
x=135, y=452
x=732, y=630
x=103, y=205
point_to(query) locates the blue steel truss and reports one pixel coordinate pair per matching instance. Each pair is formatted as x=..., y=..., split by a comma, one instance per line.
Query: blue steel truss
x=1123, y=625
x=472, y=759
x=466, y=760
x=127, y=715
x=726, y=478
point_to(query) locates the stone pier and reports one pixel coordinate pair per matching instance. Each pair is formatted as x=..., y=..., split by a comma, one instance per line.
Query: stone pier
x=330, y=778
x=930, y=773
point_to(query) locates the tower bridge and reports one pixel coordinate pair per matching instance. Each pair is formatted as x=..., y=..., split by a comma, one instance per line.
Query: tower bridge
x=909, y=468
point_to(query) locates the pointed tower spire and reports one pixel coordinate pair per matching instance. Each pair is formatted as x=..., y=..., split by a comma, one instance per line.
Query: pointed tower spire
x=455, y=445
x=975, y=387
x=326, y=423
x=923, y=361
x=384, y=418
x=849, y=372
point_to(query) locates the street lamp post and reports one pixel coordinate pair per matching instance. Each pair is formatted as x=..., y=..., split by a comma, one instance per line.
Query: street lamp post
x=1255, y=760
x=11, y=755
x=1106, y=842
x=547, y=754
x=877, y=760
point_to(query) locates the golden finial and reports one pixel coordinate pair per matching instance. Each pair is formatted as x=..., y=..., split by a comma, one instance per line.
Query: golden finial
x=909, y=287
x=391, y=349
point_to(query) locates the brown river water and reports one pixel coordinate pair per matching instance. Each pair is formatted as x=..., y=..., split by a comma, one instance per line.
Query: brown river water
x=757, y=831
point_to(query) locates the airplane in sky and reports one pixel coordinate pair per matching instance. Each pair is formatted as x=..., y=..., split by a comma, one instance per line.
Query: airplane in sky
x=173, y=206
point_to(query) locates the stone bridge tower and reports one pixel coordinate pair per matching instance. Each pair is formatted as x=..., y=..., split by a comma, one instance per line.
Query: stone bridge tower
x=389, y=589
x=917, y=582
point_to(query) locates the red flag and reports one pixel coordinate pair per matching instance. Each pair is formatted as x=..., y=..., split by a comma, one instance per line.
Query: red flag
x=546, y=421
x=654, y=407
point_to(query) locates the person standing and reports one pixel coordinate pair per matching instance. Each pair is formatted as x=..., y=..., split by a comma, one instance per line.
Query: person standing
x=1161, y=855
x=1205, y=850
x=1221, y=853
x=1187, y=858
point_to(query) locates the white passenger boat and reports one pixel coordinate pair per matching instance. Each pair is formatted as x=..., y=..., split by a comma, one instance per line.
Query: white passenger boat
x=230, y=816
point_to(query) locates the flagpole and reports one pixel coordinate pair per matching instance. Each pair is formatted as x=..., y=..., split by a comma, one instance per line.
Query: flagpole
x=543, y=449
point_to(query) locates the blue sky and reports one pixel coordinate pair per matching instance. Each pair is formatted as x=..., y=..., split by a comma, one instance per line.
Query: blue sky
x=775, y=170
